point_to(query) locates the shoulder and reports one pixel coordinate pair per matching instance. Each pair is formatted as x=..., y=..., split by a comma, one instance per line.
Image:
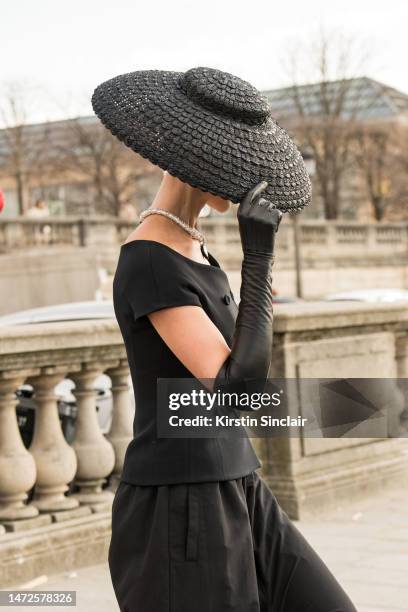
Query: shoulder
x=134, y=259
x=144, y=251
x=149, y=259
x=151, y=276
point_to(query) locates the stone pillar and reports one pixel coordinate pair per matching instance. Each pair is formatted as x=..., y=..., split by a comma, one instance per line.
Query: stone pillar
x=333, y=243
x=54, y=458
x=121, y=431
x=372, y=243
x=289, y=241
x=17, y=466
x=95, y=454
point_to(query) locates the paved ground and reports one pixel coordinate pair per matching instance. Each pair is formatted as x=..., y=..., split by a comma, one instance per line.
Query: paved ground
x=365, y=545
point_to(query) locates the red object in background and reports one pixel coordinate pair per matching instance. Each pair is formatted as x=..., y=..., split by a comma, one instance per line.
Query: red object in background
x=2, y=200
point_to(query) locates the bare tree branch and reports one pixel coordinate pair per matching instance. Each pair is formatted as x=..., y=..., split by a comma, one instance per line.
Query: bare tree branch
x=113, y=170
x=327, y=110
x=24, y=149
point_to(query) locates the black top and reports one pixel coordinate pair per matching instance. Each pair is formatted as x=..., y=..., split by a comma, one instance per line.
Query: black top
x=151, y=276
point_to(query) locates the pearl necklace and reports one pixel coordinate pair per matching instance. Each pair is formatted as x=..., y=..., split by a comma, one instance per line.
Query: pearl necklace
x=194, y=233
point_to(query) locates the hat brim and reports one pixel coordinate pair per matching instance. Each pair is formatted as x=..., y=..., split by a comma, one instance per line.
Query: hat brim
x=226, y=157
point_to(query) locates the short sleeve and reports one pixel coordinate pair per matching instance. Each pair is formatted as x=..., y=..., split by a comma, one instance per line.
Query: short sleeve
x=158, y=278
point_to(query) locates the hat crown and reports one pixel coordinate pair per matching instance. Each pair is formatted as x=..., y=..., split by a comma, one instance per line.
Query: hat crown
x=225, y=94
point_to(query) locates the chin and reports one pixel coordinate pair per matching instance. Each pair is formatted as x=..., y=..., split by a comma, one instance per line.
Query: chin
x=219, y=204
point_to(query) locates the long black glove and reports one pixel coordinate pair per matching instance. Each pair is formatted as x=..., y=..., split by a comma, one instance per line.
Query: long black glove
x=251, y=351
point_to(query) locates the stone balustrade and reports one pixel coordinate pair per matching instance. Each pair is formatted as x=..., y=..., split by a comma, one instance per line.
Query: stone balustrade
x=339, y=340
x=333, y=256
x=327, y=241
x=53, y=480
x=336, y=239
x=55, y=495
x=24, y=232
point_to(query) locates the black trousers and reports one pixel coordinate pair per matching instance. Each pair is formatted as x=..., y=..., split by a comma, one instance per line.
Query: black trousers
x=214, y=547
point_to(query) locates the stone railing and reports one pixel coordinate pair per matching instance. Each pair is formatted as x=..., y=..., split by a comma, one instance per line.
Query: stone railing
x=55, y=496
x=42, y=356
x=319, y=240
x=339, y=340
x=24, y=233
x=335, y=239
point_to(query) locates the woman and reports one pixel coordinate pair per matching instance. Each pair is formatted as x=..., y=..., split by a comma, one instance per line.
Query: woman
x=194, y=528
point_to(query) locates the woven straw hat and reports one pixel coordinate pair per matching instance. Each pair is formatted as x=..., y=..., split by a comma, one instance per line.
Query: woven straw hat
x=209, y=128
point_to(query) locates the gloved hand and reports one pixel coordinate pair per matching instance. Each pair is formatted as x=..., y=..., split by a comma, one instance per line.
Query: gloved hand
x=258, y=222
x=251, y=350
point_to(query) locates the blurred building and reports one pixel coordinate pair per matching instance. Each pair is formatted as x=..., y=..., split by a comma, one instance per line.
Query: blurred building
x=364, y=99
x=78, y=168
x=355, y=126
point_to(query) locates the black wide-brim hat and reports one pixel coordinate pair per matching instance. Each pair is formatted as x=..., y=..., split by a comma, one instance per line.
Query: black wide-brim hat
x=208, y=128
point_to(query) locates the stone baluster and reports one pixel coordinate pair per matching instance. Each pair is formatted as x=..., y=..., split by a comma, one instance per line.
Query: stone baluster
x=54, y=458
x=17, y=465
x=373, y=237
x=95, y=454
x=121, y=431
x=288, y=229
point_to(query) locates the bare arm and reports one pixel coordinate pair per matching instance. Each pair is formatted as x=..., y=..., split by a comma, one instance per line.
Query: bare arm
x=193, y=338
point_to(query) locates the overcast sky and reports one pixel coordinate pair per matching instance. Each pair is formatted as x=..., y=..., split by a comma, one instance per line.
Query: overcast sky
x=64, y=49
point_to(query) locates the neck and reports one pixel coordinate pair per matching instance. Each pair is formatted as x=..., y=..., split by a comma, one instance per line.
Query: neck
x=180, y=199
